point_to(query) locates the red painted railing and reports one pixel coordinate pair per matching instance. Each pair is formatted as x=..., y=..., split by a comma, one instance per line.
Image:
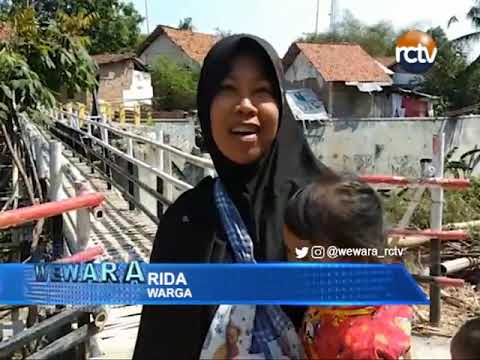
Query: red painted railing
x=404, y=181
x=36, y=212
x=86, y=255
x=431, y=234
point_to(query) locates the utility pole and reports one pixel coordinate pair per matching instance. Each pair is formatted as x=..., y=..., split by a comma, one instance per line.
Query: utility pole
x=333, y=8
x=316, y=19
x=146, y=17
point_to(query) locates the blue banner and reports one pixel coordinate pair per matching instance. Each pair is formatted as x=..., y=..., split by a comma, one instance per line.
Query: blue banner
x=266, y=283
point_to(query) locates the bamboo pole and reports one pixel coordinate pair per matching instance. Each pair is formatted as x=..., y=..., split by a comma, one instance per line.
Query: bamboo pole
x=462, y=225
x=18, y=164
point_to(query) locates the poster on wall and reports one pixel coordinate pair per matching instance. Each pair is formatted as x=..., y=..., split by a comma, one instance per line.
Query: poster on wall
x=305, y=105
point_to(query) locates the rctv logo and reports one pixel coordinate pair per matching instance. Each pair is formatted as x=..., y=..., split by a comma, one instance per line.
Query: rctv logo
x=416, y=51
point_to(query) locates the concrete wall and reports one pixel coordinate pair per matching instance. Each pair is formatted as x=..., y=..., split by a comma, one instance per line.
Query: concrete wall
x=376, y=146
x=390, y=147
x=164, y=46
x=140, y=89
x=114, y=78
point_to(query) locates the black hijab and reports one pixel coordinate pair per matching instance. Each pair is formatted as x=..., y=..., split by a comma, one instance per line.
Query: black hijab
x=261, y=190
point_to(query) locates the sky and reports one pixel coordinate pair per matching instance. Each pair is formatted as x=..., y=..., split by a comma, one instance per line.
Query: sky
x=281, y=22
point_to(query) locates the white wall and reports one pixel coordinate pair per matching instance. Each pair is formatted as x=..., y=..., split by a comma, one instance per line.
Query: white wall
x=387, y=147
x=164, y=46
x=140, y=90
x=301, y=69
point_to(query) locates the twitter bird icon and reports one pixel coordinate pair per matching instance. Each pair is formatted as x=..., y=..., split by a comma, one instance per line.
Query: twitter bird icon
x=301, y=253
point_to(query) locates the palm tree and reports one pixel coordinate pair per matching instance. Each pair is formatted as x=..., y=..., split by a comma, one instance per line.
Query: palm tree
x=473, y=15
x=186, y=24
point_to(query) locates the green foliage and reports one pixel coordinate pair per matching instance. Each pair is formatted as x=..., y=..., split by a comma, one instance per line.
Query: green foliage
x=141, y=38
x=58, y=57
x=20, y=88
x=186, y=24
x=459, y=206
x=41, y=58
x=378, y=39
x=174, y=85
x=465, y=165
x=222, y=33
x=109, y=25
x=449, y=77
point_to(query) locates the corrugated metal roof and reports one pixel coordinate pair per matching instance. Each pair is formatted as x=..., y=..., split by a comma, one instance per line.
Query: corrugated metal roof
x=103, y=59
x=108, y=58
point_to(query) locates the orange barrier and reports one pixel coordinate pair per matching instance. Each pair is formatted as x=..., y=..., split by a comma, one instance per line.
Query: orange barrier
x=403, y=181
x=442, y=281
x=36, y=212
x=86, y=255
x=432, y=234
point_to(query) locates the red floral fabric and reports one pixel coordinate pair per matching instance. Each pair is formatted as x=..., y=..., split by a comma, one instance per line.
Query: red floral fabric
x=357, y=332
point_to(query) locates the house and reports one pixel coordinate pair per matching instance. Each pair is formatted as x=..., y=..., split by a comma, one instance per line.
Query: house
x=124, y=79
x=182, y=46
x=401, y=77
x=407, y=101
x=348, y=81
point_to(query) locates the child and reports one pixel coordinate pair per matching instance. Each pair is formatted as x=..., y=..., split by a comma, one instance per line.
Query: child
x=345, y=213
x=466, y=342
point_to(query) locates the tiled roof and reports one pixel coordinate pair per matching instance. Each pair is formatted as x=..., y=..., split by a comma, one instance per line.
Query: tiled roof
x=386, y=60
x=339, y=62
x=196, y=45
x=103, y=59
x=107, y=58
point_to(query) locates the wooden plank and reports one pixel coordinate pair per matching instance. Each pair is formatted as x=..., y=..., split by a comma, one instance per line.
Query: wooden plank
x=13, y=344
x=65, y=343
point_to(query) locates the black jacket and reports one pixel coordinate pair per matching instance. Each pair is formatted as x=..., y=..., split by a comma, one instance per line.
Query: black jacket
x=178, y=331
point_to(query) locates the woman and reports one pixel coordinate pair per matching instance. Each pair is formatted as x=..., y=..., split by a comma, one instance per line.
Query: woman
x=261, y=157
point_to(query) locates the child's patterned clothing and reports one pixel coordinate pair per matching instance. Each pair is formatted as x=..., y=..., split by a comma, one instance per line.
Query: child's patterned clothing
x=357, y=332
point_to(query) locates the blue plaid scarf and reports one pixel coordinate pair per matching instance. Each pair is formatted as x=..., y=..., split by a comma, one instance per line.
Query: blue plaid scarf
x=265, y=332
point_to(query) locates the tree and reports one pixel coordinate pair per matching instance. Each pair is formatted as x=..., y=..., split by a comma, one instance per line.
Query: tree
x=449, y=77
x=175, y=86
x=141, y=38
x=38, y=61
x=377, y=40
x=473, y=15
x=222, y=33
x=114, y=25
x=186, y=24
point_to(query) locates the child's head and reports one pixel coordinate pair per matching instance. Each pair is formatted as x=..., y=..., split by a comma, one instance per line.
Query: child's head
x=341, y=212
x=466, y=342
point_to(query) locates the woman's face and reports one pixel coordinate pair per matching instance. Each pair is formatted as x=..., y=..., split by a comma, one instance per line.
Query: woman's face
x=244, y=113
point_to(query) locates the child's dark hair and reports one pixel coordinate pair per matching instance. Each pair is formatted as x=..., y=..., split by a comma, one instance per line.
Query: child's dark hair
x=466, y=342
x=343, y=211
